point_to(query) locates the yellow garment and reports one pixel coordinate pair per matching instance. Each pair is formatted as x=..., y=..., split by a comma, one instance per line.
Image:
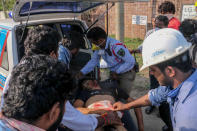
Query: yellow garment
x=196, y=3
x=94, y=47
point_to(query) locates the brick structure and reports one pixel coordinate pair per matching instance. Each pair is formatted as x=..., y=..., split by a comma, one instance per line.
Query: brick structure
x=148, y=9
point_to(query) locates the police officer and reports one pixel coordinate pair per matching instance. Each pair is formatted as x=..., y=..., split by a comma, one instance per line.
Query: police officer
x=116, y=55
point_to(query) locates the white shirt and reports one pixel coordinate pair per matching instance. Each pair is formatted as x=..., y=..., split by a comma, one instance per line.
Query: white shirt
x=77, y=121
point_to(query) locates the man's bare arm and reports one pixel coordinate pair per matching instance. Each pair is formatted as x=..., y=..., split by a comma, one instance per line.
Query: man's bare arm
x=140, y=102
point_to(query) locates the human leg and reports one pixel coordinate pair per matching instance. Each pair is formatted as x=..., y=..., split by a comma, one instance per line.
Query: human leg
x=126, y=81
x=128, y=121
x=164, y=112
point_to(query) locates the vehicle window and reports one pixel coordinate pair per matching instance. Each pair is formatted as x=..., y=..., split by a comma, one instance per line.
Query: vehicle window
x=3, y=48
x=57, y=7
x=68, y=30
x=65, y=29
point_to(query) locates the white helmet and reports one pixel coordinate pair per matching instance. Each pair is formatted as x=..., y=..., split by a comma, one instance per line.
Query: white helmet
x=163, y=45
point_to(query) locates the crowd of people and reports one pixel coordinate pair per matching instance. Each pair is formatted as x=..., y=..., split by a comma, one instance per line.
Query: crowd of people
x=37, y=93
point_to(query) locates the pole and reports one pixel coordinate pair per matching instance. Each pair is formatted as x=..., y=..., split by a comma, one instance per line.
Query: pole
x=120, y=21
x=106, y=20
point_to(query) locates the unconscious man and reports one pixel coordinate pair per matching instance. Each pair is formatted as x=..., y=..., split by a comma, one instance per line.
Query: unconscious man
x=101, y=96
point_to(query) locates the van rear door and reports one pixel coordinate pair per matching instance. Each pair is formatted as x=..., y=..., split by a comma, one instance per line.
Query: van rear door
x=47, y=9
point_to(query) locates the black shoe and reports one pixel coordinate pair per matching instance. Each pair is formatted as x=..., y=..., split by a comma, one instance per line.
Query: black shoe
x=149, y=109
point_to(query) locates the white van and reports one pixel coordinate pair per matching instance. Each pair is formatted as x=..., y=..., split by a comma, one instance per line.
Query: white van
x=59, y=14
x=62, y=15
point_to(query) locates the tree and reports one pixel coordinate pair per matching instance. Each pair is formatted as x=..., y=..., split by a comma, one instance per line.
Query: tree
x=7, y=5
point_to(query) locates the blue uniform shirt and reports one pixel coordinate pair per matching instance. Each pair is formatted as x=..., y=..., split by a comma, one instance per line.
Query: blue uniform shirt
x=116, y=55
x=182, y=101
x=64, y=55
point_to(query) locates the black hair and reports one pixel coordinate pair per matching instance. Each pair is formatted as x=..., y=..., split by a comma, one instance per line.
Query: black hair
x=81, y=82
x=181, y=62
x=74, y=40
x=166, y=7
x=96, y=33
x=36, y=84
x=188, y=28
x=41, y=40
x=163, y=19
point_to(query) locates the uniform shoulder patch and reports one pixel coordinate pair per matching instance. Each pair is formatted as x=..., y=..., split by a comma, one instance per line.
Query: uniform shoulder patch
x=121, y=52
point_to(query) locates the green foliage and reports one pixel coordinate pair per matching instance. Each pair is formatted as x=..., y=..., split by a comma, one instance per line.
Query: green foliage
x=133, y=44
x=8, y=5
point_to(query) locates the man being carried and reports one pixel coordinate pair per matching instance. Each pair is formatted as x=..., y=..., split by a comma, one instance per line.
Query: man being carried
x=101, y=96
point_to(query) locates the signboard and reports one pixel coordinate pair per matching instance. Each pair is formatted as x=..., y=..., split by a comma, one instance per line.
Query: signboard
x=139, y=19
x=188, y=12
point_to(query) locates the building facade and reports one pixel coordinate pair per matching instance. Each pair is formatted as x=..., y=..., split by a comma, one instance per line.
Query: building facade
x=138, y=16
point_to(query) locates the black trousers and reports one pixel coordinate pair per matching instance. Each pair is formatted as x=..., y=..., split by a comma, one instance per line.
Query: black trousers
x=164, y=112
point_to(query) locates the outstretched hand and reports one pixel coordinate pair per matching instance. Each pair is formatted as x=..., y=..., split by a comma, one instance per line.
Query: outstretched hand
x=118, y=106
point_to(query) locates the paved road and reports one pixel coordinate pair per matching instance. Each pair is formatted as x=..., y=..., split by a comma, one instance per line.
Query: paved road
x=151, y=122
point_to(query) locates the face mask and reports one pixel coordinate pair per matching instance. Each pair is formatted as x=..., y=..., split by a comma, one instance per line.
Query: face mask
x=94, y=47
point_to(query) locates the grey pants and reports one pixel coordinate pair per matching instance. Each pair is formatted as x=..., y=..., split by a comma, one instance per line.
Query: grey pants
x=126, y=80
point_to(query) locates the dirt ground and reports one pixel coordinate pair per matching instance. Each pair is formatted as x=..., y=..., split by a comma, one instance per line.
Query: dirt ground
x=152, y=122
